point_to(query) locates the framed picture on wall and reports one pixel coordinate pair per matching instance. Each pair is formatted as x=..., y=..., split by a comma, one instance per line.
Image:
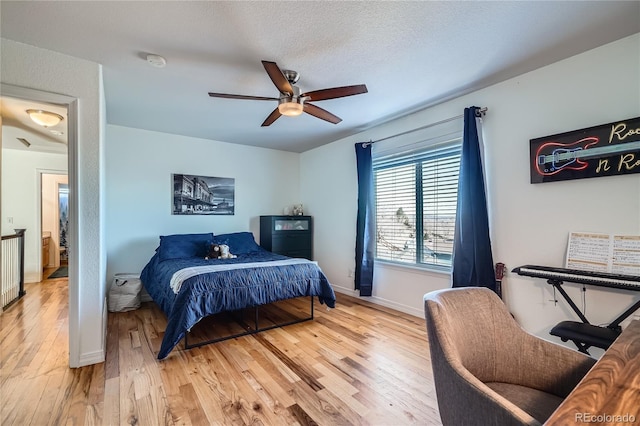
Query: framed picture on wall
x=203, y=195
x=606, y=150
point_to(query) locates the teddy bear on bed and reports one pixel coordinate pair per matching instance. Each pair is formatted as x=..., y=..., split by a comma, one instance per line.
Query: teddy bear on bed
x=225, y=253
x=219, y=251
x=214, y=252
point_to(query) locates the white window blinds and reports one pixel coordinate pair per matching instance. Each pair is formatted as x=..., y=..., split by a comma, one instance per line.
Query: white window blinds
x=416, y=194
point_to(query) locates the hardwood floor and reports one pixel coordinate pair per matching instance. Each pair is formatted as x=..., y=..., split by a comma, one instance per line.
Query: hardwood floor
x=356, y=364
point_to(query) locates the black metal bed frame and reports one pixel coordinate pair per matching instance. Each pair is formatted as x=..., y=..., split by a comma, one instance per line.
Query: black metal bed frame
x=249, y=329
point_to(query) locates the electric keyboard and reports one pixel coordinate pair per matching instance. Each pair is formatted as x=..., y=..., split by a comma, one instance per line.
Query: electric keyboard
x=627, y=282
x=585, y=334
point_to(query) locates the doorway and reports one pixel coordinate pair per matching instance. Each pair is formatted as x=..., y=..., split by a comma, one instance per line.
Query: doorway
x=71, y=106
x=54, y=210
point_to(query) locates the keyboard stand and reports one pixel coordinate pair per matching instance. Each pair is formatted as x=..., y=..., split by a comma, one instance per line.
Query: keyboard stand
x=583, y=334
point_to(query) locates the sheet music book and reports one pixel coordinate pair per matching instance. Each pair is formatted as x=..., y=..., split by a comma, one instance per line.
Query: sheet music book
x=616, y=254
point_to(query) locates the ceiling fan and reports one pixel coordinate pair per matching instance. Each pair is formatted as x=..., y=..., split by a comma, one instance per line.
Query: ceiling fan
x=291, y=102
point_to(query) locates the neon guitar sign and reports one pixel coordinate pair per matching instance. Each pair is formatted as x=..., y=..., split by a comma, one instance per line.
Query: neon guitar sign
x=554, y=157
x=605, y=150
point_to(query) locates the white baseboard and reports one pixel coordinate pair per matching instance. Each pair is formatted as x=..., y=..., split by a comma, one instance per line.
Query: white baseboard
x=31, y=277
x=345, y=290
x=380, y=301
x=90, y=358
x=105, y=319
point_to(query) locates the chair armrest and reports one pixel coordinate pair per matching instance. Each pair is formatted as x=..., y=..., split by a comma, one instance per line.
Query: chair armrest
x=548, y=366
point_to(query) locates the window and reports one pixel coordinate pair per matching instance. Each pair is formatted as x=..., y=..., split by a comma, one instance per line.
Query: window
x=416, y=196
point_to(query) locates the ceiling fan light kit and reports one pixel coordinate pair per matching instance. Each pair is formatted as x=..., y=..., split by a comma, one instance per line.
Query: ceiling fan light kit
x=290, y=102
x=44, y=118
x=290, y=107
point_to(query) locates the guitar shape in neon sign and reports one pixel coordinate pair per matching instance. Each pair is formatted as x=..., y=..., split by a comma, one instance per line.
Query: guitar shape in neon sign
x=554, y=157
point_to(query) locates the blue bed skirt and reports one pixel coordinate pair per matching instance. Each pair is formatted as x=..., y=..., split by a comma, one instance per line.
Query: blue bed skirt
x=210, y=293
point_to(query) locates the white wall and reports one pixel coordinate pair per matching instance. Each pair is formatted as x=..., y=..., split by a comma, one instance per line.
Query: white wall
x=31, y=67
x=530, y=223
x=21, y=199
x=1, y=182
x=139, y=165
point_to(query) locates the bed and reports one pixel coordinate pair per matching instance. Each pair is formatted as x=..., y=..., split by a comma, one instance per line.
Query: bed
x=188, y=287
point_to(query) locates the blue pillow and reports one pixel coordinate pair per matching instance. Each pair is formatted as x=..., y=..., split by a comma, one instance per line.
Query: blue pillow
x=182, y=246
x=238, y=242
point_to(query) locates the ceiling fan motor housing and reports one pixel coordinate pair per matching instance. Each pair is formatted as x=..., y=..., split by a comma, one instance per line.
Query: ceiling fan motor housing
x=291, y=105
x=291, y=76
x=285, y=97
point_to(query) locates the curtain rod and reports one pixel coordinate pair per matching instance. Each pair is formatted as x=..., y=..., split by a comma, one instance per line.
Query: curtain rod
x=482, y=112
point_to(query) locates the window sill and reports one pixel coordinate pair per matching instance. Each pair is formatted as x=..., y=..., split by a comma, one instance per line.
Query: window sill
x=413, y=267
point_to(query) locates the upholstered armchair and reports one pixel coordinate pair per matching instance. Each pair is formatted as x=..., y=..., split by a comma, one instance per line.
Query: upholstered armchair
x=487, y=369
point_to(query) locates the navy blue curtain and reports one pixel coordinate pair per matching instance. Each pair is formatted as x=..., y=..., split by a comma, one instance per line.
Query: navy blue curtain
x=472, y=259
x=365, y=225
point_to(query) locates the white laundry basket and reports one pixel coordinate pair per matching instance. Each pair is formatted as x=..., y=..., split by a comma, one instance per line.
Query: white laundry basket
x=124, y=294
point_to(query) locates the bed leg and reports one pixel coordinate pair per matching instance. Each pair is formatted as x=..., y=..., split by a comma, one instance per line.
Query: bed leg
x=257, y=318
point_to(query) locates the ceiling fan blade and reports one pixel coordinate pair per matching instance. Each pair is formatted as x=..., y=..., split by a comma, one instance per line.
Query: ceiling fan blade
x=336, y=92
x=278, y=78
x=275, y=114
x=250, y=98
x=321, y=113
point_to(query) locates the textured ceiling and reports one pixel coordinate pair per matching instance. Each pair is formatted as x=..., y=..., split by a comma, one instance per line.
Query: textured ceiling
x=16, y=123
x=409, y=54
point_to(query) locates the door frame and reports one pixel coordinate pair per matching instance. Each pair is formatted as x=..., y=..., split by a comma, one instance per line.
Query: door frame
x=71, y=103
x=42, y=172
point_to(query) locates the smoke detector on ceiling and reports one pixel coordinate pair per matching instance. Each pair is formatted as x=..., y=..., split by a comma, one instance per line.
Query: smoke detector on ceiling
x=156, y=60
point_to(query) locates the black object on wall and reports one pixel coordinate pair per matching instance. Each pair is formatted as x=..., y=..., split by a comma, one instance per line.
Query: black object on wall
x=606, y=150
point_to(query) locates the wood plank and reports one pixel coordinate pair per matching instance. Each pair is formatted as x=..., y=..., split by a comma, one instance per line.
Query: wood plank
x=111, y=405
x=12, y=410
x=356, y=364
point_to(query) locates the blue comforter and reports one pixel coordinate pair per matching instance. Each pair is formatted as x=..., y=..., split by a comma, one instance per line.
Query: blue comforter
x=214, y=292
